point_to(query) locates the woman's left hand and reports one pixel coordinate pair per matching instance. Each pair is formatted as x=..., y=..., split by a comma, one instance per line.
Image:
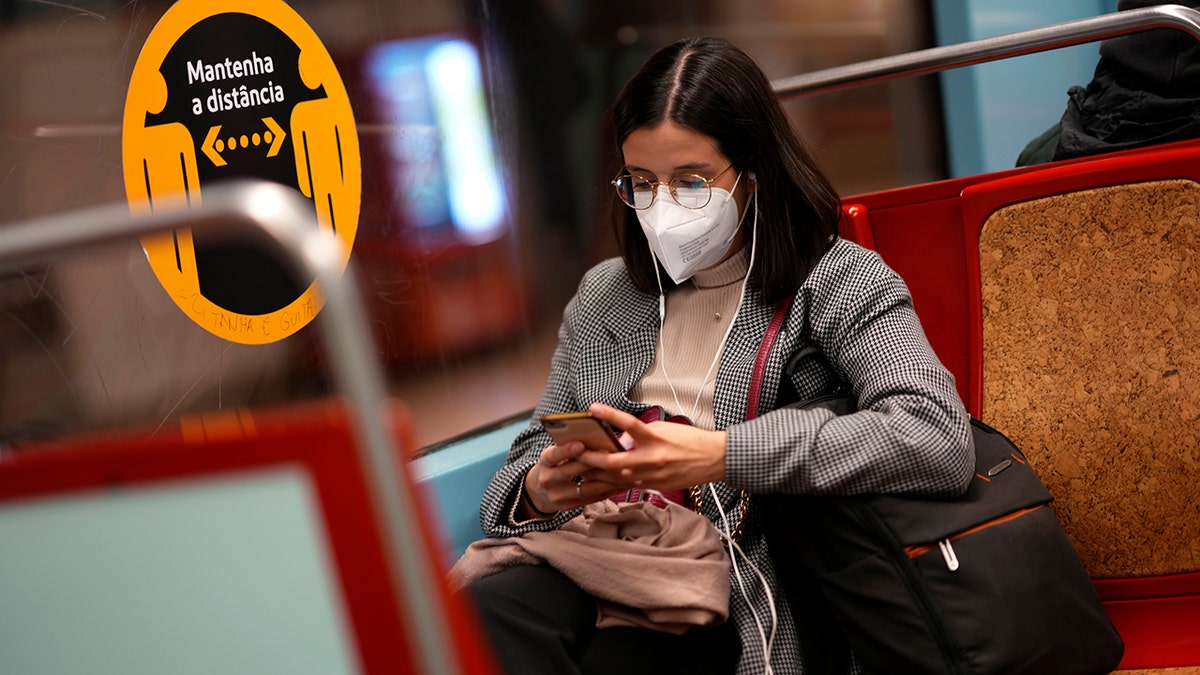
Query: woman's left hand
x=663, y=456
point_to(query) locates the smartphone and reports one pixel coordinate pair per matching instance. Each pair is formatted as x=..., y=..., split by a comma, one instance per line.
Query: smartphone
x=582, y=427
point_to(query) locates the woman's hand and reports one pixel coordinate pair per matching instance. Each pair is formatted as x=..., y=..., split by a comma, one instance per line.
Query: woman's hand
x=662, y=456
x=560, y=481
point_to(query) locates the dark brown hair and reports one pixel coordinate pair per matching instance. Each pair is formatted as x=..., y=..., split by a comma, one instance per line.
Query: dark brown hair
x=711, y=87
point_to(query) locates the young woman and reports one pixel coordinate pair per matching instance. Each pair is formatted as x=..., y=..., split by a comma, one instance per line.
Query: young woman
x=725, y=216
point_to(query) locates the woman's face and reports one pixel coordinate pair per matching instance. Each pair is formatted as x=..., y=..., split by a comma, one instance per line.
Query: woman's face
x=668, y=150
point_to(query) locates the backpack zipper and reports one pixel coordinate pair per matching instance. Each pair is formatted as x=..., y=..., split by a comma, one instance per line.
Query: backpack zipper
x=946, y=546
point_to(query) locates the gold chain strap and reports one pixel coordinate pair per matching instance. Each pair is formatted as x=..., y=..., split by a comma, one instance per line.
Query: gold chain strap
x=697, y=494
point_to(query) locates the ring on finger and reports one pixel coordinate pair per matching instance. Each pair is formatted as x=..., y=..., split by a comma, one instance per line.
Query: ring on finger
x=578, y=480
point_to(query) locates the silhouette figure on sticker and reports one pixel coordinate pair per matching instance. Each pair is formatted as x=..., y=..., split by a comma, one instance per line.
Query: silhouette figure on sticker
x=233, y=82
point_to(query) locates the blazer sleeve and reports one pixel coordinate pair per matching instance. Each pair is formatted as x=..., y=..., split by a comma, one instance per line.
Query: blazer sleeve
x=911, y=434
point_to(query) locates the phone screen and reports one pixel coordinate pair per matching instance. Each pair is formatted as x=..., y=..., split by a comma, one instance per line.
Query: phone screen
x=582, y=427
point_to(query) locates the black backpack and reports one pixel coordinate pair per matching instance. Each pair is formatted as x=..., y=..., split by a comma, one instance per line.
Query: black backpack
x=986, y=583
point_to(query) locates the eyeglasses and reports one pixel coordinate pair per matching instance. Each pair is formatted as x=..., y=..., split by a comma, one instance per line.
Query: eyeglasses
x=690, y=190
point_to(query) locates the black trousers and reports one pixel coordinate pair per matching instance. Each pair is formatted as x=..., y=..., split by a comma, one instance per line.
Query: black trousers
x=539, y=622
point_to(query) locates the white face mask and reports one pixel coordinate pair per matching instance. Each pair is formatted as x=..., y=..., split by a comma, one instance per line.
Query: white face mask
x=687, y=240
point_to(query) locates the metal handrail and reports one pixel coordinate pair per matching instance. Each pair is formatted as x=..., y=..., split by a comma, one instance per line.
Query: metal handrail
x=1020, y=43
x=289, y=224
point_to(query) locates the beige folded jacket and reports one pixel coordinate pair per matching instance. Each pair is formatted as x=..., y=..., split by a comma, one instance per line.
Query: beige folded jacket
x=659, y=568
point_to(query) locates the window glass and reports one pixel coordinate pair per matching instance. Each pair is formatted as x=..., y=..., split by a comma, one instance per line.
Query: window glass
x=485, y=168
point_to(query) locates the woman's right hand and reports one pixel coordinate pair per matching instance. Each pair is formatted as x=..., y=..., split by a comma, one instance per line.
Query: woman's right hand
x=559, y=481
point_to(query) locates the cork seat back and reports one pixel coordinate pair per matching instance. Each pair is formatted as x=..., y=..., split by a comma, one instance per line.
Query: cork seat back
x=1091, y=364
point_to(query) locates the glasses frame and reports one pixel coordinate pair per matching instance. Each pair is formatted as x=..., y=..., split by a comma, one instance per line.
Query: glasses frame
x=654, y=184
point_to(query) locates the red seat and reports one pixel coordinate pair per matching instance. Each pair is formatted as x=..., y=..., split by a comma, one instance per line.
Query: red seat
x=1023, y=333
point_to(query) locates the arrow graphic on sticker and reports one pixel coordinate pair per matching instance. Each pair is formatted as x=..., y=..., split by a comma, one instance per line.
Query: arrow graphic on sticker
x=213, y=145
x=209, y=149
x=277, y=135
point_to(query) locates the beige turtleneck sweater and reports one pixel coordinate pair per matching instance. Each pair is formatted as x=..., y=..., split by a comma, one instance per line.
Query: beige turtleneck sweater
x=698, y=314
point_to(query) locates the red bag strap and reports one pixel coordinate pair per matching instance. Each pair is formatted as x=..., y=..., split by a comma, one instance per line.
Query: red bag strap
x=764, y=351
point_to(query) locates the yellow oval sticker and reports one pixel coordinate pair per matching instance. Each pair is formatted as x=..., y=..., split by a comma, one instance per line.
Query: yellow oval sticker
x=229, y=89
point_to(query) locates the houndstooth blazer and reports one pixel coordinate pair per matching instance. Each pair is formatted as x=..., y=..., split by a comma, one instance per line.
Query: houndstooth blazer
x=911, y=434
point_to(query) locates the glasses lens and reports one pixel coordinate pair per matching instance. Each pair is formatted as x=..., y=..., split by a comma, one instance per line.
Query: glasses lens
x=634, y=191
x=691, y=191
